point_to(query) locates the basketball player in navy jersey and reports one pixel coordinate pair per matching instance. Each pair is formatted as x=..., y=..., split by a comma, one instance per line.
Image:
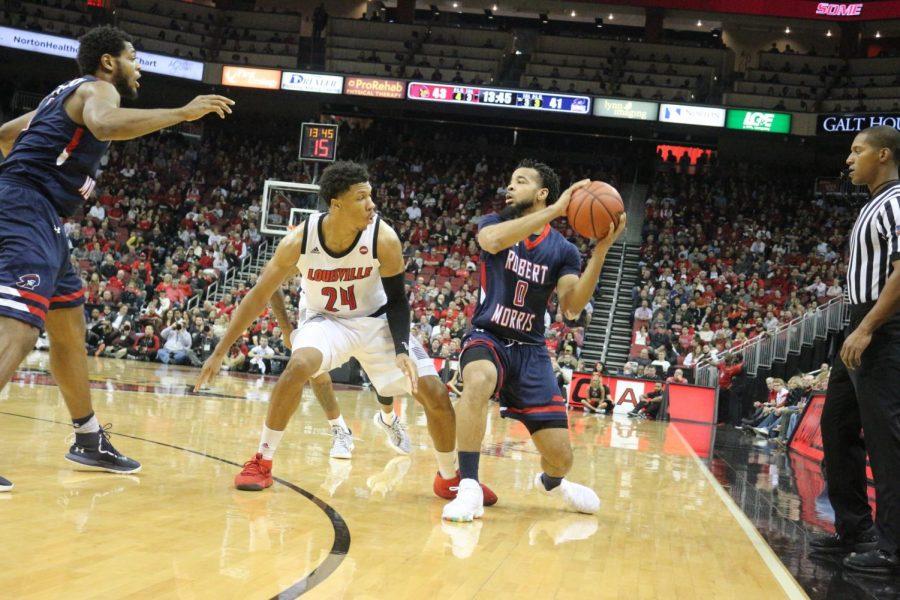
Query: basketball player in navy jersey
x=522, y=261
x=51, y=159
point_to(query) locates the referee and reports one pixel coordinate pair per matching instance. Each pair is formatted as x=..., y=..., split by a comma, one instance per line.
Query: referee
x=862, y=405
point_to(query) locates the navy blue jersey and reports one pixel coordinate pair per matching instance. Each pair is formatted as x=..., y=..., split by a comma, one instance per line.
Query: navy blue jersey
x=516, y=283
x=56, y=156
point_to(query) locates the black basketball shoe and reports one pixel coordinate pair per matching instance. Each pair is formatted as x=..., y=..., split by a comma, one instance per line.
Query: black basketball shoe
x=875, y=562
x=838, y=544
x=94, y=451
x=5, y=484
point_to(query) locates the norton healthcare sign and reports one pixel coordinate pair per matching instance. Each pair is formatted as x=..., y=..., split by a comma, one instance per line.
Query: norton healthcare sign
x=856, y=122
x=68, y=48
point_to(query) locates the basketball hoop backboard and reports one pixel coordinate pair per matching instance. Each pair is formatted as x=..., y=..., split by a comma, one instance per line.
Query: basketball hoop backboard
x=286, y=204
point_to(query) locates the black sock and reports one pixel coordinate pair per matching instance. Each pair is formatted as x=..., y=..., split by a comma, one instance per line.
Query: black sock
x=83, y=420
x=468, y=465
x=550, y=482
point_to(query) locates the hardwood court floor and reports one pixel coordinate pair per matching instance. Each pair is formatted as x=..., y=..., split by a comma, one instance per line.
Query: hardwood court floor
x=366, y=528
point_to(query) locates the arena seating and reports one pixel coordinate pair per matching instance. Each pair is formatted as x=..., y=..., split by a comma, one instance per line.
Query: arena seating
x=414, y=51
x=718, y=256
x=631, y=69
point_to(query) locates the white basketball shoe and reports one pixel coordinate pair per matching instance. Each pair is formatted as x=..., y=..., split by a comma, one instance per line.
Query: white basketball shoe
x=342, y=444
x=397, y=438
x=576, y=497
x=468, y=505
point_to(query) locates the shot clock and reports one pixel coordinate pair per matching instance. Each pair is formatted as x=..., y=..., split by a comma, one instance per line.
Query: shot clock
x=318, y=141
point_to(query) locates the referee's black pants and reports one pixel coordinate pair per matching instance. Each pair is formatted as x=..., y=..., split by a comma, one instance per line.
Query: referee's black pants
x=862, y=413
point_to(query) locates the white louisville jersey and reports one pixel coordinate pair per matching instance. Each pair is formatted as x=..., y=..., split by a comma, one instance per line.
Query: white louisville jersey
x=344, y=285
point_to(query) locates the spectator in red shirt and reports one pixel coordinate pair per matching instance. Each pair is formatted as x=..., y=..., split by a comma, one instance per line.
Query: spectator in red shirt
x=729, y=400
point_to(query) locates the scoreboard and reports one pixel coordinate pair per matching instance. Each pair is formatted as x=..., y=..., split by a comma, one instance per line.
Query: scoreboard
x=318, y=141
x=488, y=96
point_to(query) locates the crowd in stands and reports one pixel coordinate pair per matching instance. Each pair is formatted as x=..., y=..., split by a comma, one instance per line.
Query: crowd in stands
x=171, y=216
x=730, y=253
x=776, y=417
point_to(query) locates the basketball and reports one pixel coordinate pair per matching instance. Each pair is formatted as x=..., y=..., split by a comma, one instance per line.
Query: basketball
x=593, y=208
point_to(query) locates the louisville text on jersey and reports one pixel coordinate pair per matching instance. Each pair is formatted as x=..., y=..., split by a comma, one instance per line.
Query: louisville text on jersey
x=340, y=274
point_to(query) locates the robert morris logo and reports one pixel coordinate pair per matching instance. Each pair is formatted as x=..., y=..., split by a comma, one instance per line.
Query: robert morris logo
x=831, y=9
x=29, y=282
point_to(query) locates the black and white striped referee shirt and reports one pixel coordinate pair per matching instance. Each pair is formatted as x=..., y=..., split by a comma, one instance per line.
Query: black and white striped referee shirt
x=874, y=245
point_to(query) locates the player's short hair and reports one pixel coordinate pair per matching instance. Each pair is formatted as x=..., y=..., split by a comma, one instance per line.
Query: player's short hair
x=97, y=42
x=338, y=178
x=549, y=178
x=884, y=136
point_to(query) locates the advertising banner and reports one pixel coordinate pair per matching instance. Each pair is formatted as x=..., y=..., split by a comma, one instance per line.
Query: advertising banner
x=619, y=108
x=625, y=391
x=250, y=77
x=312, y=82
x=689, y=114
x=375, y=87
x=754, y=120
x=55, y=45
x=856, y=122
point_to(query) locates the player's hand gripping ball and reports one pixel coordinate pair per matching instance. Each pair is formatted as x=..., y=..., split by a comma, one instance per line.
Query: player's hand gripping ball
x=592, y=209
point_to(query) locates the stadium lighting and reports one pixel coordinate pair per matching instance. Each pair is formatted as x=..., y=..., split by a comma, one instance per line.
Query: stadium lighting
x=877, y=34
x=828, y=33
x=787, y=30
x=494, y=7
x=611, y=16
x=456, y=5
x=573, y=14
x=699, y=23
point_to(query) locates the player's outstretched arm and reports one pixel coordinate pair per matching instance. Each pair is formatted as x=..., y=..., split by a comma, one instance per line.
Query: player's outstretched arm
x=393, y=271
x=10, y=130
x=501, y=236
x=276, y=271
x=110, y=122
x=575, y=292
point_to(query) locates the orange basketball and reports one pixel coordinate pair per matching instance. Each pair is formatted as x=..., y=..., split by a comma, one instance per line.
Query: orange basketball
x=593, y=208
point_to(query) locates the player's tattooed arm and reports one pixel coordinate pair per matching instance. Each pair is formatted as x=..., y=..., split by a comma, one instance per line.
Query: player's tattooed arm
x=10, y=130
x=279, y=268
x=100, y=112
x=500, y=236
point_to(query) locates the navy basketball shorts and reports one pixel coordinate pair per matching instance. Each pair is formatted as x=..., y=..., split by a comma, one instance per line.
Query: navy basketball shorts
x=526, y=385
x=36, y=274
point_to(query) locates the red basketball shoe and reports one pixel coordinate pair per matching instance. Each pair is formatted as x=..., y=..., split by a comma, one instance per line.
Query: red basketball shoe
x=256, y=475
x=446, y=488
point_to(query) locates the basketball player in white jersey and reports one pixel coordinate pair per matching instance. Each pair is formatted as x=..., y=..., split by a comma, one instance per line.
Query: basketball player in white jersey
x=353, y=277
x=323, y=389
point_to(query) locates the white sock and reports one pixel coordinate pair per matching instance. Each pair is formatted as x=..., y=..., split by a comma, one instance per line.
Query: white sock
x=339, y=422
x=388, y=418
x=268, y=443
x=92, y=426
x=448, y=463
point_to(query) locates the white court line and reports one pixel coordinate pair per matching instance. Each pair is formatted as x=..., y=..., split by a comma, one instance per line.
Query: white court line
x=791, y=588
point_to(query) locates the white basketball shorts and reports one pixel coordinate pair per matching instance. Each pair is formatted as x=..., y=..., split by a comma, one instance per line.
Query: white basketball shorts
x=368, y=340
